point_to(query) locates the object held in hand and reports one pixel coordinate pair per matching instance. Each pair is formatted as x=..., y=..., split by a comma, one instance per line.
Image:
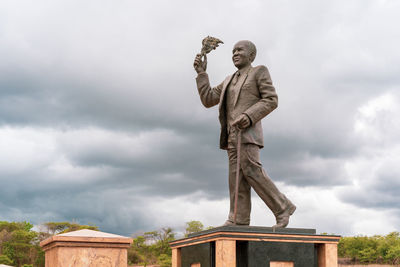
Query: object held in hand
x=209, y=44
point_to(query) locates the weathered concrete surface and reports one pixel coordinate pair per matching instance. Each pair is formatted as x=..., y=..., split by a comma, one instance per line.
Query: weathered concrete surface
x=86, y=248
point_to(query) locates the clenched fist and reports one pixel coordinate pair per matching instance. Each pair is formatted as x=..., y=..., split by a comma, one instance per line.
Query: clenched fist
x=242, y=122
x=199, y=65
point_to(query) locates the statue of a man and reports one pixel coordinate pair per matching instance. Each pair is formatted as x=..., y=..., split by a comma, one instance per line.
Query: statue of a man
x=245, y=98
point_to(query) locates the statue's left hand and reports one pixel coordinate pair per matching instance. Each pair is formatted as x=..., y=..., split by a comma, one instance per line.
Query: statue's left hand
x=242, y=122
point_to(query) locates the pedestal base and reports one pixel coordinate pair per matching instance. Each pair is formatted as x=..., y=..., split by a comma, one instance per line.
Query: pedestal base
x=247, y=246
x=85, y=248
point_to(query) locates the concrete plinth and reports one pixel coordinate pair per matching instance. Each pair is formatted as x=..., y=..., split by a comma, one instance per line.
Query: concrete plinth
x=86, y=248
x=246, y=246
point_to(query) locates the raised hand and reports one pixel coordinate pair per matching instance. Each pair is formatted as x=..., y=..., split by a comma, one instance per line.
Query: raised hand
x=200, y=65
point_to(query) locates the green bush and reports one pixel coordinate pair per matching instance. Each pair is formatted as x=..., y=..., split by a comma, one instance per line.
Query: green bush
x=393, y=255
x=4, y=259
x=367, y=255
x=375, y=249
x=164, y=260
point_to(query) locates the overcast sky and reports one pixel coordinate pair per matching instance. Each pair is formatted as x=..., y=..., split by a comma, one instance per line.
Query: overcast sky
x=101, y=122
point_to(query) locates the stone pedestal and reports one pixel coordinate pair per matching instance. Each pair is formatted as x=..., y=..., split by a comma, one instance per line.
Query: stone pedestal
x=247, y=246
x=86, y=248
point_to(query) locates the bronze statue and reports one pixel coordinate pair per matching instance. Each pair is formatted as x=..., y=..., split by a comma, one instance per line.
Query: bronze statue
x=244, y=98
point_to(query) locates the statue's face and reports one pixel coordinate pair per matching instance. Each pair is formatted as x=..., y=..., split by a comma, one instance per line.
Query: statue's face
x=241, y=55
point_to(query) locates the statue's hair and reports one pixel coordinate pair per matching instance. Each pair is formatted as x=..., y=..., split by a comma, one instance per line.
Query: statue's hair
x=252, y=49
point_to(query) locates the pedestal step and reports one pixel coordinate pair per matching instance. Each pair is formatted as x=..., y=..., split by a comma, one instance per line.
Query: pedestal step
x=247, y=246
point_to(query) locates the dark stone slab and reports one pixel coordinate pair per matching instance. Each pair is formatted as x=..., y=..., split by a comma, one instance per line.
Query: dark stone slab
x=256, y=229
x=258, y=254
x=201, y=253
x=254, y=254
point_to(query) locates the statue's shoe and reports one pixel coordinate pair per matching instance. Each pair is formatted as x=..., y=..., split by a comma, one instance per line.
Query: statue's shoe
x=229, y=223
x=282, y=220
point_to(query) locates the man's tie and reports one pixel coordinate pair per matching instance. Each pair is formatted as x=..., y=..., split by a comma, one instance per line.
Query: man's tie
x=236, y=78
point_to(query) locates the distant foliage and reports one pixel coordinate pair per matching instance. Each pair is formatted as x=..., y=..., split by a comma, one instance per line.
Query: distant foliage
x=19, y=244
x=193, y=227
x=54, y=228
x=375, y=249
x=4, y=259
x=152, y=248
x=164, y=260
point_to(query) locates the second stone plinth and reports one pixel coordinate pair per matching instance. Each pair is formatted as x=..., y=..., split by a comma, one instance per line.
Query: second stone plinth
x=246, y=246
x=86, y=248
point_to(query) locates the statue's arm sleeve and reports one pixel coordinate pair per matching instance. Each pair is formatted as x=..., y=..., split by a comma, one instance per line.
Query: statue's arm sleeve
x=209, y=96
x=268, y=97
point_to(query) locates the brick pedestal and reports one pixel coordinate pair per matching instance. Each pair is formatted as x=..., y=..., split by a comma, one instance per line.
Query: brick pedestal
x=246, y=246
x=86, y=248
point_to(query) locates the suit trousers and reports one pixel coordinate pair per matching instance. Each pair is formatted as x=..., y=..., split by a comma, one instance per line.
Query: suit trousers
x=252, y=175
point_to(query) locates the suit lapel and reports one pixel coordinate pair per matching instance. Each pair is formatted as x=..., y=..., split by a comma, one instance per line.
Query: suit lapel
x=241, y=85
x=223, y=92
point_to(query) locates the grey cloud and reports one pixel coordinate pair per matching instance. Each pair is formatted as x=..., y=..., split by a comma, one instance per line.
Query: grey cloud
x=198, y=165
x=121, y=70
x=381, y=190
x=38, y=199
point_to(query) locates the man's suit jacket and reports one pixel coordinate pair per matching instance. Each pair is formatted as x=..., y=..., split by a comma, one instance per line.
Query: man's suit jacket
x=256, y=98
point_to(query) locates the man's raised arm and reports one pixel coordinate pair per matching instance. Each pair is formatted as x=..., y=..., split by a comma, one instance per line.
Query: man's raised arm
x=208, y=96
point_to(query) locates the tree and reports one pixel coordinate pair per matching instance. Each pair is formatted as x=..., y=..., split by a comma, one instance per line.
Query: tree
x=367, y=255
x=375, y=249
x=152, y=248
x=141, y=252
x=193, y=227
x=393, y=255
x=4, y=237
x=54, y=228
x=164, y=260
x=160, y=240
x=12, y=226
x=20, y=244
x=21, y=247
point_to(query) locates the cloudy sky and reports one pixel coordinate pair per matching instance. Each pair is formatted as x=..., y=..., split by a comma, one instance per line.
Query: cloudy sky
x=101, y=123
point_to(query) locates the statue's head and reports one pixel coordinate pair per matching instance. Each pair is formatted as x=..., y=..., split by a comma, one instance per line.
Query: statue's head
x=243, y=54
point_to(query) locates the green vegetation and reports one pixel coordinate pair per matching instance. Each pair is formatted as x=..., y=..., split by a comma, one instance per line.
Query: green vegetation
x=5, y=260
x=375, y=249
x=19, y=244
x=64, y=227
x=193, y=227
x=153, y=247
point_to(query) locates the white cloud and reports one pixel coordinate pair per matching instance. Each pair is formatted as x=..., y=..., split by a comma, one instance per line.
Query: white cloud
x=25, y=149
x=374, y=170
x=378, y=121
